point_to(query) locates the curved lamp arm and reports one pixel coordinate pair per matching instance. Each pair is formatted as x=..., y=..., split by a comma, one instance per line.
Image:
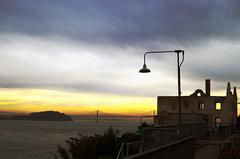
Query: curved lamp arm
x=164, y=52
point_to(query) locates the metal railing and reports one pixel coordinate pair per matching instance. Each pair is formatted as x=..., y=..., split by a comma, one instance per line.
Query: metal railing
x=121, y=152
x=140, y=148
x=128, y=144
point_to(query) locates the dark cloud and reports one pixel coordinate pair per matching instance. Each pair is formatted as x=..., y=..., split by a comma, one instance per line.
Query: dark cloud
x=123, y=22
x=115, y=29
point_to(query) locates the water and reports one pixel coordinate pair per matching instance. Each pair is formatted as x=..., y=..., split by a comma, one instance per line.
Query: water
x=39, y=139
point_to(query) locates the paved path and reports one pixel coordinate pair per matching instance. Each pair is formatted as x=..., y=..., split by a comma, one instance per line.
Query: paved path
x=210, y=149
x=207, y=152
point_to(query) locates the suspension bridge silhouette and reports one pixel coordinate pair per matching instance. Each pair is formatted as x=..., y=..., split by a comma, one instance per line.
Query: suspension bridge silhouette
x=98, y=115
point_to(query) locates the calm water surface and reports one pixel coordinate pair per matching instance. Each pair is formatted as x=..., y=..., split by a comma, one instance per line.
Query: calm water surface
x=38, y=139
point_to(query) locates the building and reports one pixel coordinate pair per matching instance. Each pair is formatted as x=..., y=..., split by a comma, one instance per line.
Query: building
x=199, y=107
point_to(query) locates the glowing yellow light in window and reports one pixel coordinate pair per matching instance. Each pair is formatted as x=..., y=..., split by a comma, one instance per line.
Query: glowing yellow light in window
x=218, y=106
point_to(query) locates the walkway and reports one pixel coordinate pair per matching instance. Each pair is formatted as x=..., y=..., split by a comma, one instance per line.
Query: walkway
x=210, y=148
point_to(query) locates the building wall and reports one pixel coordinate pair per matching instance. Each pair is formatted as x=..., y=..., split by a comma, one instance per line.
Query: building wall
x=200, y=103
x=183, y=148
x=164, y=134
x=165, y=118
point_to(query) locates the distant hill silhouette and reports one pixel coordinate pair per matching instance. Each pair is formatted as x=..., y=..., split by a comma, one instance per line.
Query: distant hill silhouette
x=40, y=116
x=7, y=113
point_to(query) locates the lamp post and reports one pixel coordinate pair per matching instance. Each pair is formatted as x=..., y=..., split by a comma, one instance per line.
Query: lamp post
x=179, y=64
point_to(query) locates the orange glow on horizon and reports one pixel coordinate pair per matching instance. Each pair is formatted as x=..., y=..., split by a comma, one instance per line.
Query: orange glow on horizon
x=32, y=100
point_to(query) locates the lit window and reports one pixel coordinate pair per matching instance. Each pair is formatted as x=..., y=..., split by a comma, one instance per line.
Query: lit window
x=218, y=106
x=201, y=106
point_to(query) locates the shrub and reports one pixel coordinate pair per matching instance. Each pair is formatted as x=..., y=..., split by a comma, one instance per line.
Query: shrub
x=104, y=146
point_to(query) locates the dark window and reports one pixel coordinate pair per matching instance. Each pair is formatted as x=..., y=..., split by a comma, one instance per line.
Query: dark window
x=217, y=121
x=201, y=106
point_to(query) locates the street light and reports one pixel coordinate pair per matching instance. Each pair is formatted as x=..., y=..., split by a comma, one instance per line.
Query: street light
x=179, y=64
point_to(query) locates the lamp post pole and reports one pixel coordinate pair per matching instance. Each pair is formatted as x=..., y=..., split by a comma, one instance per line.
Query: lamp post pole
x=179, y=64
x=179, y=89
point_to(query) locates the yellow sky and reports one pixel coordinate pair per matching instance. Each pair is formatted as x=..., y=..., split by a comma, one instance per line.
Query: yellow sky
x=30, y=100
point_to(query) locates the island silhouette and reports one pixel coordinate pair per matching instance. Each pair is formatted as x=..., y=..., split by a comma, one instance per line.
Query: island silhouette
x=40, y=116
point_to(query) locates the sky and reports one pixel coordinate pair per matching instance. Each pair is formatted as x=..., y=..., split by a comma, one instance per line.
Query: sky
x=78, y=56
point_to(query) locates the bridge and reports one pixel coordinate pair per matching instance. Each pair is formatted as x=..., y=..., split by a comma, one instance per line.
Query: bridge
x=99, y=115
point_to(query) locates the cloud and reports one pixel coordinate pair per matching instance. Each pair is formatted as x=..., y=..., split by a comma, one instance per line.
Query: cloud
x=97, y=46
x=56, y=63
x=135, y=22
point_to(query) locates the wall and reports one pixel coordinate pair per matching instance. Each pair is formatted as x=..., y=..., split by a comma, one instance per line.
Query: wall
x=165, y=118
x=181, y=149
x=190, y=104
x=161, y=135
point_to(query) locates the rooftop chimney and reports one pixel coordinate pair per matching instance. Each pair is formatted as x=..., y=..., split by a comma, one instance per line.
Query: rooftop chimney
x=235, y=92
x=229, y=93
x=208, y=87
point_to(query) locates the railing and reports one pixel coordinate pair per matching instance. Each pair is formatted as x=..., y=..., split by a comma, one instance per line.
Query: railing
x=152, y=137
x=140, y=149
x=121, y=152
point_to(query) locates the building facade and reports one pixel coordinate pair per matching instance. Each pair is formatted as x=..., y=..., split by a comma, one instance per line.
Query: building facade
x=198, y=107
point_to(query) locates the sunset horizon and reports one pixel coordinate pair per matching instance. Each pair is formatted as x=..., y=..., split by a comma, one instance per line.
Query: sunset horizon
x=34, y=100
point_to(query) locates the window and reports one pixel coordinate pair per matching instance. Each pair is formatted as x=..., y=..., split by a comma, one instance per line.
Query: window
x=218, y=106
x=218, y=120
x=201, y=106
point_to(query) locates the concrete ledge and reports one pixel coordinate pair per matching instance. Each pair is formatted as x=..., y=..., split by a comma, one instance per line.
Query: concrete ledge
x=160, y=148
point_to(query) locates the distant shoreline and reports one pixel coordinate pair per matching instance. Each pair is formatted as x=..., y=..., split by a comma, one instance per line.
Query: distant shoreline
x=39, y=116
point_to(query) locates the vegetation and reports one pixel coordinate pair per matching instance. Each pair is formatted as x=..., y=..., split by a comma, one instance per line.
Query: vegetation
x=104, y=146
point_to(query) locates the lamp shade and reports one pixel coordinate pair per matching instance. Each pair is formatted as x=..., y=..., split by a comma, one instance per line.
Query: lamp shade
x=144, y=69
